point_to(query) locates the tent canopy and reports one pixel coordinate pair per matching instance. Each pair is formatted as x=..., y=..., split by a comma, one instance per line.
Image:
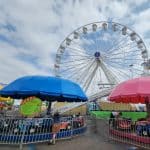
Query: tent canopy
x=44, y=87
x=131, y=91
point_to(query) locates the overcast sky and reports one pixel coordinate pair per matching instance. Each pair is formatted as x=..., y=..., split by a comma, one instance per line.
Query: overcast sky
x=32, y=30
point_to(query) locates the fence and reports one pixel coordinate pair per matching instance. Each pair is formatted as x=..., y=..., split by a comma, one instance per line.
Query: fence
x=128, y=131
x=34, y=130
x=124, y=130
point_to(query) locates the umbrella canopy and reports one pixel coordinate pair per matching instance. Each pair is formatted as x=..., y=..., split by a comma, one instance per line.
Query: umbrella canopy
x=132, y=91
x=44, y=87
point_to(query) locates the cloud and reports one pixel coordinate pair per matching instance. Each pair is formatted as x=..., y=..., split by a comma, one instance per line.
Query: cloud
x=31, y=31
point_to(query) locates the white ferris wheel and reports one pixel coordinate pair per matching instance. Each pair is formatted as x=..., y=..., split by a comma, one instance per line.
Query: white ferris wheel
x=101, y=54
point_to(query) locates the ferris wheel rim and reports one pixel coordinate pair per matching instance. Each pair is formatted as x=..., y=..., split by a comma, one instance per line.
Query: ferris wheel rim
x=101, y=22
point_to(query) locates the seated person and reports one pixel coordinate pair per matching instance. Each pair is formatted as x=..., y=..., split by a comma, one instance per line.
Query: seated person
x=56, y=117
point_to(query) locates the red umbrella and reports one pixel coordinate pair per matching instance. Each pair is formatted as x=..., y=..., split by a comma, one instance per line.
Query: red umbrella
x=132, y=91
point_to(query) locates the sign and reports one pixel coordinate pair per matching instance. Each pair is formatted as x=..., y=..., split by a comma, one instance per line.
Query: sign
x=30, y=106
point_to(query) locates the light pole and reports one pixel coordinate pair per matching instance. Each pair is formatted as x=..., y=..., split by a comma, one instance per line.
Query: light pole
x=131, y=65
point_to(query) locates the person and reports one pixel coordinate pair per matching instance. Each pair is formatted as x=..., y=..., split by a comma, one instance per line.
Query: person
x=112, y=119
x=119, y=115
x=147, y=102
x=78, y=115
x=56, y=117
x=55, y=130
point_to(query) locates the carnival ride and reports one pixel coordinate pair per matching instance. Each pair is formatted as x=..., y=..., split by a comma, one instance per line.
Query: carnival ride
x=100, y=55
x=5, y=102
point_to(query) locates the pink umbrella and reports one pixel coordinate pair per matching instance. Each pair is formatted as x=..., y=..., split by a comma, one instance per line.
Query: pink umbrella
x=132, y=91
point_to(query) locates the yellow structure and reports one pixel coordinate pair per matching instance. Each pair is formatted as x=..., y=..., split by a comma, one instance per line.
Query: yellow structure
x=81, y=109
x=1, y=87
x=116, y=106
x=58, y=105
x=4, y=99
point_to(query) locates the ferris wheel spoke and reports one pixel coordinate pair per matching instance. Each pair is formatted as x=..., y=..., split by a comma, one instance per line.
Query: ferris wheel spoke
x=114, y=41
x=117, y=43
x=134, y=71
x=124, y=48
x=103, y=42
x=78, y=70
x=77, y=44
x=78, y=50
x=134, y=51
x=127, y=48
x=137, y=69
x=123, y=61
x=120, y=74
x=100, y=39
x=131, y=69
x=120, y=64
x=68, y=68
x=122, y=41
x=120, y=47
x=78, y=56
x=75, y=60
x=127, y=58
x=95, y=41
x=119, y=71
x=77, y=63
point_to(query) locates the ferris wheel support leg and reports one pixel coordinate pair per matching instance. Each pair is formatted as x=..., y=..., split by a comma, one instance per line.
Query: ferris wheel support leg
x=88, y=82
x=112, y=79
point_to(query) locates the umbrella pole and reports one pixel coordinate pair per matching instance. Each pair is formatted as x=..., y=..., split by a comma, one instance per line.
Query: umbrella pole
x=49, y=108
x=148, y=110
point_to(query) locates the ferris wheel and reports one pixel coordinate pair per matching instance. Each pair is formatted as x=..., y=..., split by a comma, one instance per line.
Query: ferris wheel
x=101, y=54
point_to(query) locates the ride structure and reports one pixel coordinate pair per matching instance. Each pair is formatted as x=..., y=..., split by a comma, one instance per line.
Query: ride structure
x=100, y=55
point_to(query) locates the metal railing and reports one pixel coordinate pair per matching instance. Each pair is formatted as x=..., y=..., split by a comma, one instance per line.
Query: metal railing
x=124, y=130
x=131, y=132
x=34, y=130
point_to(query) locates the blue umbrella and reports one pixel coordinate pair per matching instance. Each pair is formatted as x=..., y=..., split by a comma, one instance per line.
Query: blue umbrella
x=46, y=88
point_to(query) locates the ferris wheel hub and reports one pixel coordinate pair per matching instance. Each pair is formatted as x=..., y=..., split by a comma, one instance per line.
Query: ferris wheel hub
x=97, y=55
